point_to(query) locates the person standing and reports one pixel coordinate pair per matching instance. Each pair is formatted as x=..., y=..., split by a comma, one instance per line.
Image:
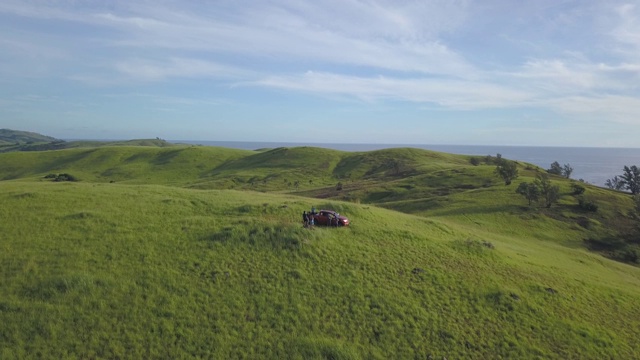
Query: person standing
x=305, y=218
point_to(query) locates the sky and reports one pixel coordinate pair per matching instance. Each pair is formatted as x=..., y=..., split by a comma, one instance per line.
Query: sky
x=490, y=72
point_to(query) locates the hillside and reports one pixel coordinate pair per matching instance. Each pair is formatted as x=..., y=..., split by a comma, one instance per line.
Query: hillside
x=108, y=270
x=15, y=137
x=192, y=251
x=13, y=140
x=414, y=181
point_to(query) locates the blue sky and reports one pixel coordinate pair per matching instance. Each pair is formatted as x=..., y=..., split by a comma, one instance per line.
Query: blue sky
x=491, y=72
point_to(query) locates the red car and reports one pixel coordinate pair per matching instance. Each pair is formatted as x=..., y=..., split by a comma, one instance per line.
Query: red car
x=329, y=218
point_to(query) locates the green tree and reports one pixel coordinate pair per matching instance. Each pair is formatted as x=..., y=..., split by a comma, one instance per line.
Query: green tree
x=507, y=170
x=550, y=192
x=615, y=183
x=567, y=170
x=530, y=191
x=631, y=179
x=555, y=168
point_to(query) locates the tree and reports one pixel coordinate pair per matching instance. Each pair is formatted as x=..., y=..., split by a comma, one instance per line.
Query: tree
x=507, y=170
x=615, y=183
x=631, y=179
x=567, y=170
x=555, y=168
x=530, y=191
x=550, y=192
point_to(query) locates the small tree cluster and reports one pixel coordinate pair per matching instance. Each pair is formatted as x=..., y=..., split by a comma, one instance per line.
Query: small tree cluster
x=541, y=188
x=556, y=169
x=506, y=169
x=629, y=180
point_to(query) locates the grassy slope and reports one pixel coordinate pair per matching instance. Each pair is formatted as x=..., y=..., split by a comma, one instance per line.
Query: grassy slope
x=538, y=292
x=176, y=165
x=109, y=270
x=12, y=137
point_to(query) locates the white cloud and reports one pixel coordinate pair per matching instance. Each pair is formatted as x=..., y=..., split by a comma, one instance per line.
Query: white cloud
x=176, y=67
x=567, y=57
x=443, y=92
x=609, y=108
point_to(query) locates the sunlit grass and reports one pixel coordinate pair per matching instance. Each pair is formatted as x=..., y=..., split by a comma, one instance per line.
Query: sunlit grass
x=130, y=271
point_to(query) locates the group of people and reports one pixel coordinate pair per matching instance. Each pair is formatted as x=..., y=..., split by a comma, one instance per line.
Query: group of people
x=323, y=218
x=308, y=218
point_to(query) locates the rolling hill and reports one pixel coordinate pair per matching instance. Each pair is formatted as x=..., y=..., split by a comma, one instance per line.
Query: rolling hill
x=15, y=137
x=198, y=252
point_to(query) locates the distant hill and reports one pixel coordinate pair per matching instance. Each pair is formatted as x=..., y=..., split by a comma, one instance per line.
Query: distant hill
x=15, y=137
x=14, y=140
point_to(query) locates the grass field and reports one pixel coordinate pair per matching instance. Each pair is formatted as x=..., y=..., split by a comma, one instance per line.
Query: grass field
x=176, y=252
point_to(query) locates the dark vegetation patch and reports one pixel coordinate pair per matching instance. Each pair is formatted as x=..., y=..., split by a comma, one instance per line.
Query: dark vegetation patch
x=60, y=177
x=277, y=236
x=25, y=195
x=624, y=248
x=82, y=215
x=52, y=288
x=501, y=300
x=587, y=205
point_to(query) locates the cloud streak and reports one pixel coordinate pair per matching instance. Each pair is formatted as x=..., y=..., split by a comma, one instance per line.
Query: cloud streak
x=564, y=57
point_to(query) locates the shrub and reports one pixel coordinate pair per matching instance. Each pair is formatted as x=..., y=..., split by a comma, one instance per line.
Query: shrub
x=474, y=161
x=588, y=205
x=51, y=176
x=578, y=189
x=339, y=186
x=65, y=177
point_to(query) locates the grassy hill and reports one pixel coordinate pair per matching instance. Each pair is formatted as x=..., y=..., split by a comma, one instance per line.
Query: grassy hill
x=190, y=251
x=14, y=140
x=12, y=137
x=107, y=270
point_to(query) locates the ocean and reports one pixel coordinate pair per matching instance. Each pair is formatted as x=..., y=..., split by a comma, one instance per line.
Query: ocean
x=592, y=164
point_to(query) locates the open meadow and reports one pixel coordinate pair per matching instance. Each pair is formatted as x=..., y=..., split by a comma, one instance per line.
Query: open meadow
x=199, y=252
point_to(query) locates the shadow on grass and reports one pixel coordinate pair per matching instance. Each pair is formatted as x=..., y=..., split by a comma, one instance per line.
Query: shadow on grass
x=486, y=209
x=276, y=236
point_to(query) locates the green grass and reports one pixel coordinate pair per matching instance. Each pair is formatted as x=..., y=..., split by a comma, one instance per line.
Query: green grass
x=169, y=261
x=107, y=270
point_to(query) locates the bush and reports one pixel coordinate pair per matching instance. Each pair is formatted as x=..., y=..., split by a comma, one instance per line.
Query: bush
x=474, y=161
x=588, y=205
x=61, y=177
x=578, y=189
x=65, y=177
